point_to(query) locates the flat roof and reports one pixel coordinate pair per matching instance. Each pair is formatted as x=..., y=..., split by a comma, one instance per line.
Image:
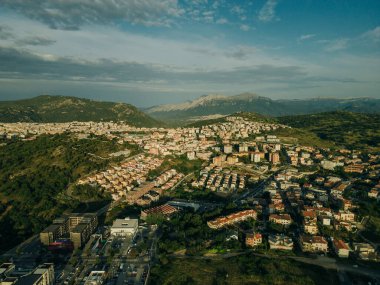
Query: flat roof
x=125, y=223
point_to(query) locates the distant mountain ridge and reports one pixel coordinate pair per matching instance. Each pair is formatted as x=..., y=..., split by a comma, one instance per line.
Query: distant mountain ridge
x=56, y=109
x=249, y=102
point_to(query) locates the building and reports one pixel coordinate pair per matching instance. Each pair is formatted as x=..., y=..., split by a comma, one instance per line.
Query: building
x=6, y=269
x=313, y=243
x=280, y=242
x=274, y=157
x=341, y=248
x=76, y=226
x=227, y=149
x=354, y=168
x=42, y=275
x=327, y=164
x=255, y=157
x=365, y=251
x=95, y=278
x=283, y=219
x=243, y=148
x=253, y=239
x=165, y=210
x=311, y=228
x=124, y=227
x=231, y=219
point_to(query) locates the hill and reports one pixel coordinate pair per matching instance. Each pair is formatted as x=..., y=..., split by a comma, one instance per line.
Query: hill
x=57, y=109
x=37, y=179
x=352, y=130
x=224, y=105
x=249, y=116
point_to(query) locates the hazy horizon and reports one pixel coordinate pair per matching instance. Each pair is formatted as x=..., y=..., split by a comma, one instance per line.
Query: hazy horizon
x=153, y=52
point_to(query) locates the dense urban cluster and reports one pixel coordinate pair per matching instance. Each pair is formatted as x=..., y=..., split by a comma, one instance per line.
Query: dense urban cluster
x=268, y=196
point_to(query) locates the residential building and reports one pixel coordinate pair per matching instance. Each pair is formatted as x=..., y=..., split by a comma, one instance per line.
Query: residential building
x=313, y=243
x=280, y=242
x=282, y=219
x=341, y=248
x=231, y=219
x=77, y=226
x=253, y=239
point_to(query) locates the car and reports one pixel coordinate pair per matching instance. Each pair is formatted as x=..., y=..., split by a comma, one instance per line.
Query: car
x=355, y=266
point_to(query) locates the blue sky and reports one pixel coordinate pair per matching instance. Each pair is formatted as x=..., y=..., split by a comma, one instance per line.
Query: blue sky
x=150, y=52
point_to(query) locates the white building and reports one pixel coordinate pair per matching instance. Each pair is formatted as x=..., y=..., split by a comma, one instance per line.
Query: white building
x=124, y=227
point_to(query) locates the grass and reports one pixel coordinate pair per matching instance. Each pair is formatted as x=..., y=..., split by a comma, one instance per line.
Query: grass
x=246, y=269
x=302, y=137
x=372, y=231
x=352, y=130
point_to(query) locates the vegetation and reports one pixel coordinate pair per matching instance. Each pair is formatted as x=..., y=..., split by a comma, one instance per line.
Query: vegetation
x=179, y=163
x=352, y=130
x=67, y=109
x=301, y=136
x=244, y=269
x=35, y=177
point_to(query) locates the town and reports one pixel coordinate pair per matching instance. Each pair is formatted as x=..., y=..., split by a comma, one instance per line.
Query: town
x=260, y=192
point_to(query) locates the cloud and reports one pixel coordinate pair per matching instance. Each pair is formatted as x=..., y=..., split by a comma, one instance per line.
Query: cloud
x=245, y=28
x=72, y=14
x=336, y=45
x=222, y=21
x=373, y=35
x=35, y=41
x=241, y=52
x=267, y=12
x=21, y=64
x=237, y=10
x=5, y=32
x=306, y=37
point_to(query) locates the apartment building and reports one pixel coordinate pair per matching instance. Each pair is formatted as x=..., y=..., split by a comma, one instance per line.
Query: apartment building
x=77, y=226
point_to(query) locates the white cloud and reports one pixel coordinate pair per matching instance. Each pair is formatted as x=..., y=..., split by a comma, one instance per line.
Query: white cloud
x=222, y=21
x=237, y=10
x=373, y=35
x=306, y=37
x=336, y=45
x=245, y=28
x=72, y=14
x=267, y=12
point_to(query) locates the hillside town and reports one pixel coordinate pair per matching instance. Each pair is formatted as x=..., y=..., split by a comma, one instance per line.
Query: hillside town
x=273, y=197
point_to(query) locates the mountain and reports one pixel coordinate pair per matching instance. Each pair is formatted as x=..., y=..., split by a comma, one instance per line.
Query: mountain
x=352, y=130
x=208, y=105
x=56, y=109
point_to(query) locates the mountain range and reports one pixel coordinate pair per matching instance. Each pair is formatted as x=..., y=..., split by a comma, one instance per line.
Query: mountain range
x=54, y=109
x=212, y=105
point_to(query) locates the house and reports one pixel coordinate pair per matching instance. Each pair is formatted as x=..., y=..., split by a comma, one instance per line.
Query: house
x=341, y=248
x=253, y=239
x=311, y=228
x=313, y=243
x=231, y=219
x=283, y=219
x=280, y=242
x=365, y=251
x=373, y=193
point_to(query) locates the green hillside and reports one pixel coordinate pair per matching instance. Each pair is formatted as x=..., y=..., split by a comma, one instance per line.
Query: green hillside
x=352, y=130
x=65, y=109
x=35, y=177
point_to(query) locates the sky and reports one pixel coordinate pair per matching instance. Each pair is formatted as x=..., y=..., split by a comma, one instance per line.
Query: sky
x=149, y=52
